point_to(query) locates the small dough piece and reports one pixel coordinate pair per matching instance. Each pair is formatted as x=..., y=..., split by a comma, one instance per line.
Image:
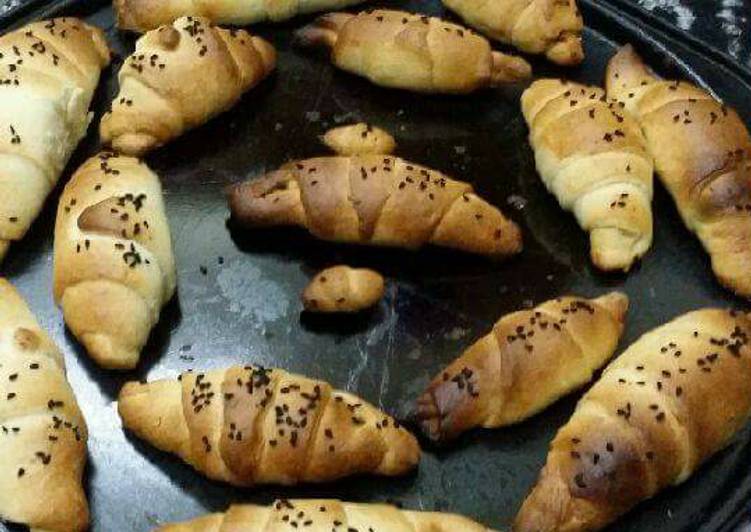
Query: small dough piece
x=343, y=289
x=359, y=139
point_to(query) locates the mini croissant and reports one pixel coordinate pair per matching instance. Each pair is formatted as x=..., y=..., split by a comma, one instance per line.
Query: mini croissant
x=702, y=154
x=50, y=72
x=401, y=50
x=113, y=247
x=325, y=515
x=250, y=425
x=376, y=200
x=179, y=77
x=343, y=289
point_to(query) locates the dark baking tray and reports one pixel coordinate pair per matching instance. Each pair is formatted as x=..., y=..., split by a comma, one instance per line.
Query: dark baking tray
x=245, y=306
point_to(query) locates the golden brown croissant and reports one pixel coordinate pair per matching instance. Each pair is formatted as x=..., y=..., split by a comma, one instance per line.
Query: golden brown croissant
x=325, y=515
x=113, y=246
x=702, y=153
x=50, y=71
x=401, y=50
x=159, y=100
x=670, y=401
x=591, y=154
x=250, y=425
x=376, y=200
x=144, y=15
x=343, y=289
x=529, y=360
x=550, y=27
x=42, y=431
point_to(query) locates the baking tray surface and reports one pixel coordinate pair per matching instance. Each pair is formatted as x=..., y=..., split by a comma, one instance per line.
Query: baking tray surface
x=239, y=291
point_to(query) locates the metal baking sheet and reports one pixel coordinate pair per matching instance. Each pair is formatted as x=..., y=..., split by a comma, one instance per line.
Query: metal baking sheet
x=239, y=291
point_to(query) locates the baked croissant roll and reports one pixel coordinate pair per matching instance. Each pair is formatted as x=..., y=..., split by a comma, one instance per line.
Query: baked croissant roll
x=250, y=425
x=324, y=515
x=159, y=100
x=669, y=402
x=377, y=200
x=359, y=139
x=343, y=289
x=420, y=53
x=702, y=153
x=529, y=360
x=144, y=15
x=113, y=246
x=591, y=154
x=550, y=27
x=42, y=431
x=50, y=70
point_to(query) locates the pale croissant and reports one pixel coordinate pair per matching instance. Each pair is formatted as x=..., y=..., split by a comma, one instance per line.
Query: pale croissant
x=250, y=425
x=144, y=15
x=702, y=154
x=179, y=77
x=415, y=52
x=376, y=200
x=50, y=70
x=674, y=398
x=42, y=431
x=591, y=154
x=113, y=247
x=325, y=515
x=529, y=360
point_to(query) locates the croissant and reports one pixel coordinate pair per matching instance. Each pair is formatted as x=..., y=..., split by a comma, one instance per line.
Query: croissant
x=377, y=200
x=591, y=154
x=359, y=138
x=550, y=27
x=50, y=71
x=325, y=515
x=42, y=431
x=158, y=99
x=250, y=425
x=669, y=402
x=343, y=289
x=112, y=246
x=144, y=15
x=529, y=360
x=420, y=53
x=702, y=153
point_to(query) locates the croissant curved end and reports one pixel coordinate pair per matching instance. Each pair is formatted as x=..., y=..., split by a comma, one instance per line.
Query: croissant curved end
x=509, y=69
x=4, y=245
x=613, y=249
x=267, y=53
x=135, y=143
x=616, y=303
x=324, y=31
x=107, y=353
x=430, y=416
x=567, y=50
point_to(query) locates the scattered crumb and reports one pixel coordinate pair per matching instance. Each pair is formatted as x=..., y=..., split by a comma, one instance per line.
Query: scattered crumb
x=550, y=277
x=278, y=126
x=460, y=150
x=516, y=201
x=457, y=333
x=312, y=116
